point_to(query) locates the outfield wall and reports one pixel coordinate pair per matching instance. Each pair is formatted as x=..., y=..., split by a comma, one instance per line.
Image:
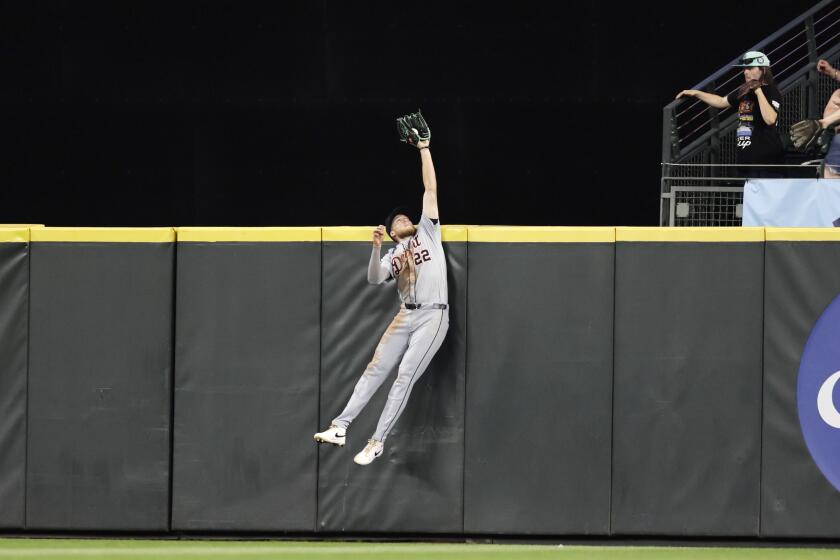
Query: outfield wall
x=594, y=381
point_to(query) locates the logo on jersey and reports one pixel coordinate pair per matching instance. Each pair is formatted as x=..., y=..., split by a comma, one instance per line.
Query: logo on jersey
x=818, y=395
x=744, y=131
x=414, y=251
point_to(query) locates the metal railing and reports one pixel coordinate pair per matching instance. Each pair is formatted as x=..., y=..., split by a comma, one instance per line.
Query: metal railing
x=695, y=198
x=698, y=141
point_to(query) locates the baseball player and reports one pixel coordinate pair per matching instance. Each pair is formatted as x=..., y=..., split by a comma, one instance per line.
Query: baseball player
x=418, y=267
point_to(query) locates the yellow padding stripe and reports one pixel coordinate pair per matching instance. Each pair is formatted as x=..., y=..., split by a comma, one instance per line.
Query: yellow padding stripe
x=365, y=233
x=14, y=235
x=803, y=234
x=18, y=226
x=547, y=234
x=453, y=233
x=252, y=234
x=347, y=233
x=104, y=235
x=698, y=234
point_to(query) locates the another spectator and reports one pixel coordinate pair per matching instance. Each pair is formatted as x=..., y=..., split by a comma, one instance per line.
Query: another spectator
x=758, y=101
x=831, y=117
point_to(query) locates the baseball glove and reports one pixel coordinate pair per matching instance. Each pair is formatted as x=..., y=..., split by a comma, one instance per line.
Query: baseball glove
x=413, y=128
x=805, y=133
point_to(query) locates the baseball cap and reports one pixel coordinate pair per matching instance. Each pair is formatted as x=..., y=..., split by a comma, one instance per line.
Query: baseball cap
x=752, y=59
x=404, y=210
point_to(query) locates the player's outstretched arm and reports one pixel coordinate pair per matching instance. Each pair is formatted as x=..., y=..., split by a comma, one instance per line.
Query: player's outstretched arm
x=414, y=131
x=430, y=203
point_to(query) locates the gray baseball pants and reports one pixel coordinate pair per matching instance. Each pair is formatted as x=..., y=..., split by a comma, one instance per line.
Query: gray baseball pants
x=412, y=339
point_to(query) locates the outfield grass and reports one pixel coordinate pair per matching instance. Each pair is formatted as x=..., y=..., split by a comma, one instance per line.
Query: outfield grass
x=54, y=549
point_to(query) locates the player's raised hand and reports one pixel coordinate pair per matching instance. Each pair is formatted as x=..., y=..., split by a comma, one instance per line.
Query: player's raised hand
x=378, y=233
x=414, y=130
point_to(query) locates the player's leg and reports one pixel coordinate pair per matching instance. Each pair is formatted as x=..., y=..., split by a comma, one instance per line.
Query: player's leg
x=423, y=343
x=388, y=352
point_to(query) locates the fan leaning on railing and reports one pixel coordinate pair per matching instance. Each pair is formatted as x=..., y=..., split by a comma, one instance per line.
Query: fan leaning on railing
x=815, y=134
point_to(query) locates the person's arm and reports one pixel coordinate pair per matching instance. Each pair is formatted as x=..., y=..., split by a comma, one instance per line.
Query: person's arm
x=824, y=67
x=430, y=202
x=768, y=111
x=377, y=271
x=831, y=120
x=708, y=98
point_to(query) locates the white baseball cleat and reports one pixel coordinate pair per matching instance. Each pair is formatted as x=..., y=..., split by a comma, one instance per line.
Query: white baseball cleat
x=372, y=450
x=333, y=435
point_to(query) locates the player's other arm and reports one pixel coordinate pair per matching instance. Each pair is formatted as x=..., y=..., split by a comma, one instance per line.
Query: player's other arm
x=430, y=202
x=377, y=271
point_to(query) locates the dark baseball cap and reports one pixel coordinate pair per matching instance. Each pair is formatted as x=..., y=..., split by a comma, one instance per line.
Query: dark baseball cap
x=404, y=210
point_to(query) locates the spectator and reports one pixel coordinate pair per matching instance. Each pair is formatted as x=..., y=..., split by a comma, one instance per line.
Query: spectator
x=758, y=101
x=831, y=118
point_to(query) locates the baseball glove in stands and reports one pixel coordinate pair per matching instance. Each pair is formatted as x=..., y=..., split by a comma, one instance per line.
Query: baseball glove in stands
x=805, y=134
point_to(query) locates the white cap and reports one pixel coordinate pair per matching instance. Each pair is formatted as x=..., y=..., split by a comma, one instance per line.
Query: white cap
x=752, y=59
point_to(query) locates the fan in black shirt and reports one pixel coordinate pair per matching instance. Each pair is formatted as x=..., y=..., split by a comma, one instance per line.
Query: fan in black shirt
x=758, y=101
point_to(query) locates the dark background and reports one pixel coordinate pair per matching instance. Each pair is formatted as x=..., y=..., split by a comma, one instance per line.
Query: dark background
x=276, y=113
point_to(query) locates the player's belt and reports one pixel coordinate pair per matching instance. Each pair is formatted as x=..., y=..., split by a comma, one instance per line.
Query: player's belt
x=425, y=306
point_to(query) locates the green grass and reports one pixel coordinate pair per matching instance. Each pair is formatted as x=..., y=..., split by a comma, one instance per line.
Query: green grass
x=54, y=549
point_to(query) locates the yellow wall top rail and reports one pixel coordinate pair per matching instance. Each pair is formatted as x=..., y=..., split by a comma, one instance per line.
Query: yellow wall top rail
x=103, y=235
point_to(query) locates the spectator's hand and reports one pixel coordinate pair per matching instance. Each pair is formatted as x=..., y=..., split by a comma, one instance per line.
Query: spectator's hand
x=755, y=84
x=687, y=93
x=824, y=67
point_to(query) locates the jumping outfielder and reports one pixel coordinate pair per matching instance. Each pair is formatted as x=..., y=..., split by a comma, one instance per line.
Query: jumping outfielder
x=418, y=265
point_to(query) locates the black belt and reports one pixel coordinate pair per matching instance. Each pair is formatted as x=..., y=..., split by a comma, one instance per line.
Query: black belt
x=425, y=306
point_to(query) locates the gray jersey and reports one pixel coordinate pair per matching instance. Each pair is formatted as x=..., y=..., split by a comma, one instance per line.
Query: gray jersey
x=419, y=265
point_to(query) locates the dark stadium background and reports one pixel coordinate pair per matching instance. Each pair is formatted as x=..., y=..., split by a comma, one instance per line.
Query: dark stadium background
x=281, y=113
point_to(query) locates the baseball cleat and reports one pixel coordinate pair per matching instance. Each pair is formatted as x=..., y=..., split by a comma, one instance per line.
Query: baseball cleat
x=333, y=435
x=372, y=450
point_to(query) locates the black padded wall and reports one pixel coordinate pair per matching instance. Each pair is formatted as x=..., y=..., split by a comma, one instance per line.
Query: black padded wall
x=629, y=388
x=687, y=415
x=246, y=386
x=802, y=279
x=417, y=486
x=14, y=317
x=539, y=388
x=99, y=385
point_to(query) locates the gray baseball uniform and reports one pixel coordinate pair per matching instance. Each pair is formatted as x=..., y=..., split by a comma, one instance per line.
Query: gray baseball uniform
x=414, y=336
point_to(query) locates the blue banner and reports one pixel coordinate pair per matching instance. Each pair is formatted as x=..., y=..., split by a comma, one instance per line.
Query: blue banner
x=792, y=202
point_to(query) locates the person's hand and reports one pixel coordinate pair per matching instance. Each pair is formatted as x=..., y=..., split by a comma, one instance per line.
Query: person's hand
x=378, y=233
x=755, y=84
x=824, y=67
x=687, y=93
x=423, y=144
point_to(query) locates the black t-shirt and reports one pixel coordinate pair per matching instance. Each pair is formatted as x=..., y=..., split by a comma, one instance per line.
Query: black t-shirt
x=756, y=141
